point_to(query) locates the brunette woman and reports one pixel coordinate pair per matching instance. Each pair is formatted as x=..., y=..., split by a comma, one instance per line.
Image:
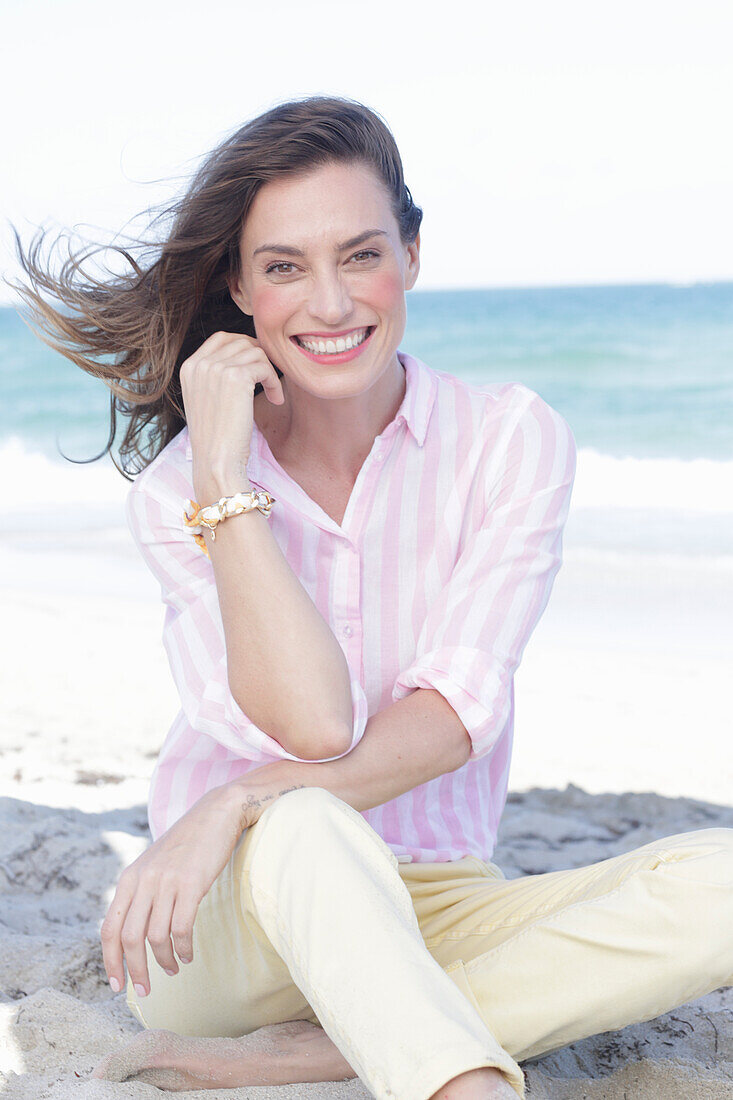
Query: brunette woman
x=353, y=550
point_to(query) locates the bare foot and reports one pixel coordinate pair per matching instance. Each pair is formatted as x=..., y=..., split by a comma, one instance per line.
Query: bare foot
x=279, y=1054
x=478, y=1084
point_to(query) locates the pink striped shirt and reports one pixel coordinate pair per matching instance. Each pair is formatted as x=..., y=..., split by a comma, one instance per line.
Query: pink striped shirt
x=438, y=574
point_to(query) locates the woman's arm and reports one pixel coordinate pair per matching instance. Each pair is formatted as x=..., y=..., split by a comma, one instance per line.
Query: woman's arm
x=286, y=670
x=283, y=667
x=405, y=745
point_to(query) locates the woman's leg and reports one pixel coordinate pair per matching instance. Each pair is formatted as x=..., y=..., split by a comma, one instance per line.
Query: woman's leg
x=327, y=891
x=316, y=914
x=549, y=959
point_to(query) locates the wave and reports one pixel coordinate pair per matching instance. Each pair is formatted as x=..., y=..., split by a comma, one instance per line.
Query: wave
x=31, y=480
x=700, y=485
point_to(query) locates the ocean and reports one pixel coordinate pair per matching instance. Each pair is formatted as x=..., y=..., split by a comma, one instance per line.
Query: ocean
x=643, y=374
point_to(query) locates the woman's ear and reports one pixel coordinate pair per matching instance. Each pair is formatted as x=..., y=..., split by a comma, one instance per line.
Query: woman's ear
x=412, y=266
x=238, y=294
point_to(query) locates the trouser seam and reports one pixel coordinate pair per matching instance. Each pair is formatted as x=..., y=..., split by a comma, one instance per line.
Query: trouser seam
x=493, y=951
x=541, y=911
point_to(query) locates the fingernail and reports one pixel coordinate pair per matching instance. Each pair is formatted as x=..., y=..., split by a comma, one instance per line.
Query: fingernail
x=184, y=959
x=116, y=987
x=171, y=973
x=141, y=990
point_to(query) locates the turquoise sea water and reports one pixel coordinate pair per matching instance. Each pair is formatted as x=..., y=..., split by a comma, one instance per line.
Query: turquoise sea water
x=643, y=374
x=641, y=371
x=645, y=371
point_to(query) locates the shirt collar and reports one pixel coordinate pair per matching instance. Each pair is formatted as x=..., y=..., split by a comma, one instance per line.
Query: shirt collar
x=417, y=404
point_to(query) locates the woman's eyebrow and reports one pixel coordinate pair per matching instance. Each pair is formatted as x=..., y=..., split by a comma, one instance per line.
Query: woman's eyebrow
x=288, y=250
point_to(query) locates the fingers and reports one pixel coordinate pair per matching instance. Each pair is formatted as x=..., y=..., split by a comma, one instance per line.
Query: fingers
x=132, y=937
x=184, y=915
x=260, y=368
x=219, y=346
x=110, y=933
x=232, y=349
x=138, y=912
x=159, y=933
x=219, y=340
x=251, y=360
x=273, y=389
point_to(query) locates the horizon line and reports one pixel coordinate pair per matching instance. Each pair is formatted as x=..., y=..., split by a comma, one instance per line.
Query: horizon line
x=672, y=283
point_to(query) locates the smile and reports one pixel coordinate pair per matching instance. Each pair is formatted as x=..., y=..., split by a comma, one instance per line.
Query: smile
x=335, y=349
x=319, y=346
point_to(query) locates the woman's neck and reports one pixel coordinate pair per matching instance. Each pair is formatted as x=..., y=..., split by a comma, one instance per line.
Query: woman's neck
x=336, y=435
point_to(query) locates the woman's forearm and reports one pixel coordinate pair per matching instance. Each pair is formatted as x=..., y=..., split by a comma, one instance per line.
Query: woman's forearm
x=286, y=670
x=408, y=743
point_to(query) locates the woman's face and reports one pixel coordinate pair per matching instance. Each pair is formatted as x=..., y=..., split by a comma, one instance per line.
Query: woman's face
x=321, y=262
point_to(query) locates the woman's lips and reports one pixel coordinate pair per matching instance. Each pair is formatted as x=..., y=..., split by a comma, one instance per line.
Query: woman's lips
x=336, y=356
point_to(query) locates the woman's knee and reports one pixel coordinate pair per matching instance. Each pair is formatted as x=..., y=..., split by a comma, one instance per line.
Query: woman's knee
x=721, y=855
x=302, y=809
x=312, y=822
x=698, y=870
x=705, y=856
x=299, y=822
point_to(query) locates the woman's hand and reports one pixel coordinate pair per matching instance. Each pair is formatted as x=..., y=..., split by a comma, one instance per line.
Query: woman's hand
x=158, y=895
x=217, y=384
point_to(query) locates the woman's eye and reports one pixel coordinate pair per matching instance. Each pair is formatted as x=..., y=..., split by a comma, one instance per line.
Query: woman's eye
x=363, y=256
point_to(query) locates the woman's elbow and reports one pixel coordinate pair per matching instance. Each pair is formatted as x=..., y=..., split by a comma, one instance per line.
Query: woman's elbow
x=318, y=746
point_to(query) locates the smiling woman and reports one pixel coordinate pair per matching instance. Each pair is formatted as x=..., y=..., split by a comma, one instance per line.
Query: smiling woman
x=330, y=280
x=176, y=292
x=325, y=806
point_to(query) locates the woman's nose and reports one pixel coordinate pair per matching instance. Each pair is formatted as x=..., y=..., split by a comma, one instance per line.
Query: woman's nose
x=329, y=300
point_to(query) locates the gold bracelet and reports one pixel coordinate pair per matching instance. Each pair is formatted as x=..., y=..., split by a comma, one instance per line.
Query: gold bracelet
x=213, y=514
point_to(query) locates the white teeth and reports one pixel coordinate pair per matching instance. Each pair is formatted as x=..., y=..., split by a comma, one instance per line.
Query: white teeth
x=333, y=347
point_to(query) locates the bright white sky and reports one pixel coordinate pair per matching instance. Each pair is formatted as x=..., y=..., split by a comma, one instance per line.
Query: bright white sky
x=563, y=142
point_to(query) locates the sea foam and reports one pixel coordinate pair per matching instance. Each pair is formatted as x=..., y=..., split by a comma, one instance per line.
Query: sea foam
x=624, y=506
x=668, y=484
x=30, y=478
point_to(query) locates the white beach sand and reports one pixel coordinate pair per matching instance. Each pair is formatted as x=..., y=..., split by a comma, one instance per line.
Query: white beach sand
x=623, y=735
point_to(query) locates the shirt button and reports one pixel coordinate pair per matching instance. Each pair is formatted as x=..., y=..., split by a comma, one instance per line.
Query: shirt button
x=379, y=456
x=348, y=631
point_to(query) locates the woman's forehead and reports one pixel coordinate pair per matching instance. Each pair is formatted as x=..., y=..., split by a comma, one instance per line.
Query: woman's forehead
x=338, y=201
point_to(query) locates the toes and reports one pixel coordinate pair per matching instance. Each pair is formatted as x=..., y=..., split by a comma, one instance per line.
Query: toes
x=170, y=1080
x=141, y=1052
x=106, y=1069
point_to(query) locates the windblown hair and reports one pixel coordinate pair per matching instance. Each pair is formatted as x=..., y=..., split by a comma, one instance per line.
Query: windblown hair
x=134, y=330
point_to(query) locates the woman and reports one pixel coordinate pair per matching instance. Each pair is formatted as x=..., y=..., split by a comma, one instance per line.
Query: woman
x=343, y=634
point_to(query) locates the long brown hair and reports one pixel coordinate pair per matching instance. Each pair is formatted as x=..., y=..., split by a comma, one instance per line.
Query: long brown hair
x=175, y=292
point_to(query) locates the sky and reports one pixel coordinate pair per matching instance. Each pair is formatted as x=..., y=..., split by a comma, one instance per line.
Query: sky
x=566, y=143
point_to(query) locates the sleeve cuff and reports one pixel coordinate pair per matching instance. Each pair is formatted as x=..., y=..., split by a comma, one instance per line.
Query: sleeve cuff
x=265, y=745
x=476, y=686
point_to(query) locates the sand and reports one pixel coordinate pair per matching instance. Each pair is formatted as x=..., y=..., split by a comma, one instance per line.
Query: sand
x=624, y=677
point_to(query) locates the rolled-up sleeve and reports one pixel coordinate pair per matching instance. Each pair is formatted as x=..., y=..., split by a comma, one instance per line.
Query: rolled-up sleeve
x=193, y=631
x=474, y=634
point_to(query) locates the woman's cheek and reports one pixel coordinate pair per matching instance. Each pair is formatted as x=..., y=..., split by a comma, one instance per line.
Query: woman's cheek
x=386, y=290
x=269, y=304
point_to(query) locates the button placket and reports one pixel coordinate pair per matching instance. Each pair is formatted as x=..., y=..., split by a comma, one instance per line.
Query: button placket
x=348, y=609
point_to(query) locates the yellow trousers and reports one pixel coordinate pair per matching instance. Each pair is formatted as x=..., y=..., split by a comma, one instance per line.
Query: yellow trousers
x=419, y=972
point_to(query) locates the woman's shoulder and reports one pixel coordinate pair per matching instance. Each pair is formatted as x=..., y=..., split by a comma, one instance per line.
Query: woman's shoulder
x=493, y=406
